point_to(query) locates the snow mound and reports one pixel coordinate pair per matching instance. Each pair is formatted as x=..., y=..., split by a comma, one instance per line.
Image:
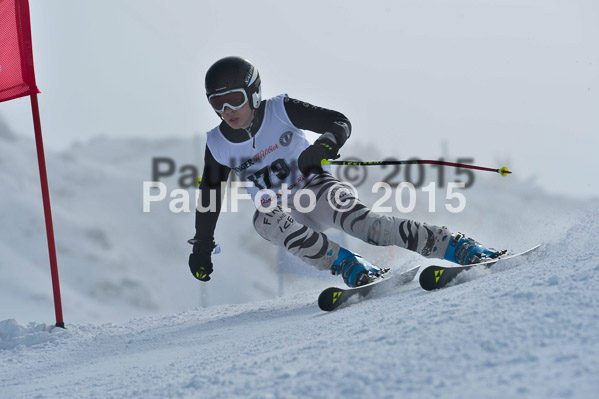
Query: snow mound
x=578, y=245
x=13, y=334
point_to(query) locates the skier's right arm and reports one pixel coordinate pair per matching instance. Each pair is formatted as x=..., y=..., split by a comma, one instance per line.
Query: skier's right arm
x=200, y=260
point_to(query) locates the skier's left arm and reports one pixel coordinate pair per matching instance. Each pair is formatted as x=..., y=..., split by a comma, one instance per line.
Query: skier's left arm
x=333, y=126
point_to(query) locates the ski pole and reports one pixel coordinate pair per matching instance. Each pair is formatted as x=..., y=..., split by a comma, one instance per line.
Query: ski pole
x=503, y=171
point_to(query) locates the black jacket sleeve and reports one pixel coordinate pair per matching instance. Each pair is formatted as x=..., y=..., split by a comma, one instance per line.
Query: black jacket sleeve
x=319, y=120
x=212, y=177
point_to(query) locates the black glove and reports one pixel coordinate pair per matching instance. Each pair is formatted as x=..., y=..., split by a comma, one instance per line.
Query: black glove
x=310, y=159
x=200, y=260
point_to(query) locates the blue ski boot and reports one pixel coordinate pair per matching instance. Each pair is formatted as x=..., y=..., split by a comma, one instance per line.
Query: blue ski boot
x=466, y=251
x=354, y=269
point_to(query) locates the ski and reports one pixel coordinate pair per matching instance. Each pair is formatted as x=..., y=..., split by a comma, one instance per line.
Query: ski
x=435, y=277
x=333, y=297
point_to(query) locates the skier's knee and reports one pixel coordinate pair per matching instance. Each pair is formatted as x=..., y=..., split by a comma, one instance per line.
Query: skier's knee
x=262, y=224
x=270, y=225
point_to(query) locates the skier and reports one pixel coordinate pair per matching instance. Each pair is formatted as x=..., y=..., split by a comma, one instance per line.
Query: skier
x=264, y=143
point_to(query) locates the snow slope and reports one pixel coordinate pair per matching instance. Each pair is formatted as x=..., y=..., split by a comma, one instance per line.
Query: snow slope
x=525, y=329
x=136, y=328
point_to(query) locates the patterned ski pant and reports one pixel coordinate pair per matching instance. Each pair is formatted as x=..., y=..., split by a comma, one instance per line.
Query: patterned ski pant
x=301, y=232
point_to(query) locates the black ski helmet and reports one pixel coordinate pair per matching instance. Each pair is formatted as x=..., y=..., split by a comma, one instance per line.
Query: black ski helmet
x=234, y=73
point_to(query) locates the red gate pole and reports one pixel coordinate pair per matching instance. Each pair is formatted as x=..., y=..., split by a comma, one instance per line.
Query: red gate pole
x=41, y=160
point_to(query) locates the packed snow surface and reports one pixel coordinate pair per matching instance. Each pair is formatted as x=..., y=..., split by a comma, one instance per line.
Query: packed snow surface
x=137, y=326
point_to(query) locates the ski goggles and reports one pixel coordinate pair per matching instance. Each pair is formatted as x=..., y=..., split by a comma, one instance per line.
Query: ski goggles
x=234, y=99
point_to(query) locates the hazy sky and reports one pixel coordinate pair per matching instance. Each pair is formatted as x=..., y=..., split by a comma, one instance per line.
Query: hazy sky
x=511, y=82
